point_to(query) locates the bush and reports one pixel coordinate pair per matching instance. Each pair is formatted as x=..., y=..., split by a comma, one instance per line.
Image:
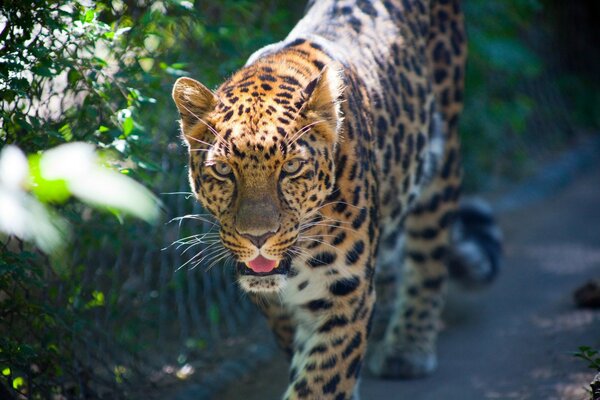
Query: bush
x=521, y=102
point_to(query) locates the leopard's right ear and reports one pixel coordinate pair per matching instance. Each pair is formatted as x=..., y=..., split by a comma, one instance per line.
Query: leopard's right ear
x=193, y=100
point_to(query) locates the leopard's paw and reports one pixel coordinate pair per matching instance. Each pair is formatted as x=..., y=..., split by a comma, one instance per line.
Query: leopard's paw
x=404, y=363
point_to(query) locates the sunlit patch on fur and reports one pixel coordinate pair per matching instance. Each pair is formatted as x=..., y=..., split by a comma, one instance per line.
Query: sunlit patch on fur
x=263, y=284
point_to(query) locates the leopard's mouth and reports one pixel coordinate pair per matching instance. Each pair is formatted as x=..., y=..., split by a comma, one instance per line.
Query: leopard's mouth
x=282, y=268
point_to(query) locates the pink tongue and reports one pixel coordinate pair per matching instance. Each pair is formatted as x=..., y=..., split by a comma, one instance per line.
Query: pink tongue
x=261, y=264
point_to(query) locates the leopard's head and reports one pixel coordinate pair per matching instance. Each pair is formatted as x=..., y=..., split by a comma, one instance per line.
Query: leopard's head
x=261, y=161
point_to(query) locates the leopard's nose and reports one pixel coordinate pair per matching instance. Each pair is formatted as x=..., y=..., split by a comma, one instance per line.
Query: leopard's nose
x=258, y=241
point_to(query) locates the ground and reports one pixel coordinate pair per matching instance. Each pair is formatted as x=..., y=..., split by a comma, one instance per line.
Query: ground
x=514, y=340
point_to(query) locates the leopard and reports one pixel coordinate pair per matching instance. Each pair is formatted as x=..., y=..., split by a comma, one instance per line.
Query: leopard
x=331, y=164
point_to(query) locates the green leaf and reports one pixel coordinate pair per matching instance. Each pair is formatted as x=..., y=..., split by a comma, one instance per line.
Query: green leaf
x=46, y=190
x=127, y=126
x=66, y=132
x=89, y=16
x=97, y=300
x=18, y=382
x=120, y=372
x=100, y=61
x=42, y=70
x=178, y=65
x=73, y=76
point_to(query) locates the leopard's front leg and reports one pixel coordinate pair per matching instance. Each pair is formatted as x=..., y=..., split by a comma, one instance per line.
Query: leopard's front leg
x=279, y=319
x=330, y=345
x=333, y=321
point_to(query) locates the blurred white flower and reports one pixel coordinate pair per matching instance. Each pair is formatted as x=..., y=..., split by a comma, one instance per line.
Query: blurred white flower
x=77, y=164
x=187, y=4
x=14, y=170
x=22, y=215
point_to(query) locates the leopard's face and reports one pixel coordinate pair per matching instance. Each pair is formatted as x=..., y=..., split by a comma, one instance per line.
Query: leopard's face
x=262, y=170
x=263, y=192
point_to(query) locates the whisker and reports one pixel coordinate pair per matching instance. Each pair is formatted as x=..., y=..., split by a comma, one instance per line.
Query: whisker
x=321, y=218
x=329, y=219
x=212, y=257
x=183, y=193
x=194, y=216
x=298, y=134
x=317, y=241
x=195, y=256
x=215, y=262
x=300, y=253
x=199, y=242
x=200, y=141
x=213, y=130
x=212, y=253
x=183, y=241
x=196, y=236
x=334, y=226
x=317, y=236
x=337, y=202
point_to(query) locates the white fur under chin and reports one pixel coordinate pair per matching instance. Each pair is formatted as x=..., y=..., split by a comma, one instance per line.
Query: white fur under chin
x=263, y=284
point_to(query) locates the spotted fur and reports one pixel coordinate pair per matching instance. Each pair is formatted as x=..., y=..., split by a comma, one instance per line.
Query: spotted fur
x=364, y=97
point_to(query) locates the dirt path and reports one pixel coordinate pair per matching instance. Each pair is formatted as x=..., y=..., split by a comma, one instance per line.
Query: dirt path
x=514, y=340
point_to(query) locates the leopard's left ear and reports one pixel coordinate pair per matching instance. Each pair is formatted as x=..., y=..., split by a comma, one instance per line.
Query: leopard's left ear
x=193, y=100
x=324, y=96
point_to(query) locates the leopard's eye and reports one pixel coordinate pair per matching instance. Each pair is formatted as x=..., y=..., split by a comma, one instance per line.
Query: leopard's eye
x=222, y=168
x=292, y=166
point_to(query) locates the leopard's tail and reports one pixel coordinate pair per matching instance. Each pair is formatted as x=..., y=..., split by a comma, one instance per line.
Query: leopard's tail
x=475, y=255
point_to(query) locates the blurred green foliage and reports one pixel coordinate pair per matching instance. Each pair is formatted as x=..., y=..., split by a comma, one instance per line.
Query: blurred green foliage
x=590, y=355
x=498, y=60
x=521, y=104
x=103, y=73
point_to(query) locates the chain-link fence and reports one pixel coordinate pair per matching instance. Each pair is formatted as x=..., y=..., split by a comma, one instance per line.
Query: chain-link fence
x=171, y=314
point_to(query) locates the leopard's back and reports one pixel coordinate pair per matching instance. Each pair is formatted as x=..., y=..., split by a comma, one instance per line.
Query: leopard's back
x=409, y=57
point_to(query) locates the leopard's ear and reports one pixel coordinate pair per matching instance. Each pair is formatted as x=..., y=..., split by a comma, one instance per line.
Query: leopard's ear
x=194, y=101
x=324, y=96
